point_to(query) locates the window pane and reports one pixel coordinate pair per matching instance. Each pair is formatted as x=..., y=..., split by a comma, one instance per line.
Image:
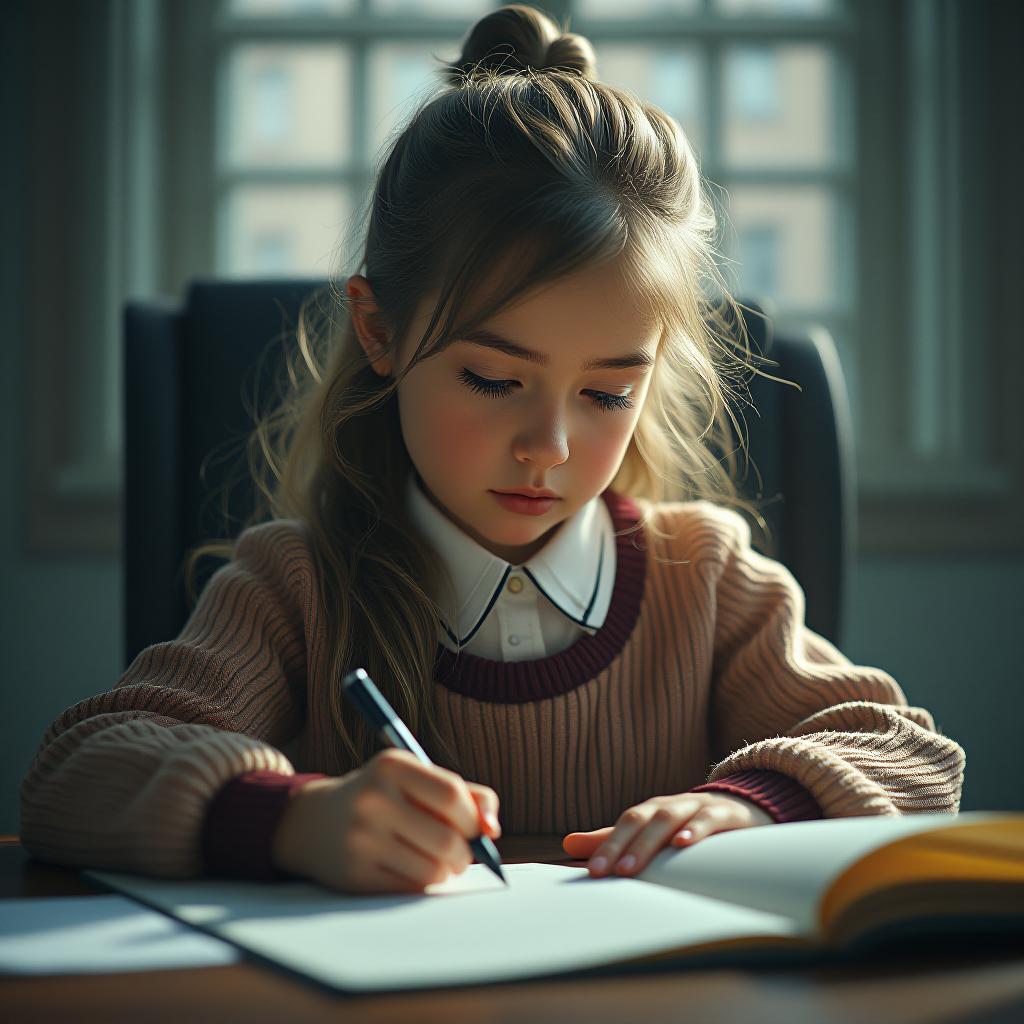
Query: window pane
x=610, y=9
x=434, y=8
x=776, y=7
x=779, y=106
x=282, y=230
x=784, y=239
x=287, y=105
x=401, y=77
x=669, y=77
x=278, y=8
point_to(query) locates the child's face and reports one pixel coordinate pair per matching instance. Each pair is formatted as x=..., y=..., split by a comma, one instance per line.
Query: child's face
x=546, y=429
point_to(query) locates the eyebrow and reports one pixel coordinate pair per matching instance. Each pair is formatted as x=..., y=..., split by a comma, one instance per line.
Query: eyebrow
x=488, y=339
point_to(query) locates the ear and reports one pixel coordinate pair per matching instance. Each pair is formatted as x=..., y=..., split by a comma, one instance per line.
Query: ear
x=372, y=335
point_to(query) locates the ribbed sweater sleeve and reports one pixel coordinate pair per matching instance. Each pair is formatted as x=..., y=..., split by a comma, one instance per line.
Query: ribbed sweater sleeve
x=784, y=699
x=122, y=780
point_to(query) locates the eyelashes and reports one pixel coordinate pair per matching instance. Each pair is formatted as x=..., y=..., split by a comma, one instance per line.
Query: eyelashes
x=501, y=388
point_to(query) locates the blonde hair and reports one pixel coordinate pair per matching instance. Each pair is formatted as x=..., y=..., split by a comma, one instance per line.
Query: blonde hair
x=523, y=152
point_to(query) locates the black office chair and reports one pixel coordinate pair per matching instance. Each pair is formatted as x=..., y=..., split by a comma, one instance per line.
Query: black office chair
x=185, y=364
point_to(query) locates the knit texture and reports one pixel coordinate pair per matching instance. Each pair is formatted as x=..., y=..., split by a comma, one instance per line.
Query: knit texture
x=704, y=677
x=241, y=821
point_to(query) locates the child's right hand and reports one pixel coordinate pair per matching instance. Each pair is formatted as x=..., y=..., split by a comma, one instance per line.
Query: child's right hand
x=395, y=825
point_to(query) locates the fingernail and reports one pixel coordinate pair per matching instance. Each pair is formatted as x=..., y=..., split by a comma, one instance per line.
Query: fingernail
x=492, y=824
x=599, y=864
x=626, y=864
x=686, y=834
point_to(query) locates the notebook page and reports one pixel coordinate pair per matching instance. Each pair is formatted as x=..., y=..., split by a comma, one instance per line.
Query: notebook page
x=786, y=869
x=470, y=929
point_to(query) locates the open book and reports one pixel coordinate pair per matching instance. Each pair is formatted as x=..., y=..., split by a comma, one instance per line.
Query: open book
x=809, y=887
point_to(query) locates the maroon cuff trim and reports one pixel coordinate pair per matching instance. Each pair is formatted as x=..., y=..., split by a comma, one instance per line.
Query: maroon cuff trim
x=778, y=794
x=240, y=821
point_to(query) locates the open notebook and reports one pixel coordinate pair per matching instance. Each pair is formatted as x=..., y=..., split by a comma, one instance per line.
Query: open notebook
x=809, y=887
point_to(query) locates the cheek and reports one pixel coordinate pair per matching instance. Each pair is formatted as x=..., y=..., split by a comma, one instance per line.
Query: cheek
x=443, y=430
x=602, y=447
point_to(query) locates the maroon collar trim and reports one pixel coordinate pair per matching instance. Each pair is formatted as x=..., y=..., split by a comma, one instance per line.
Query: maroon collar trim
x=512, y=682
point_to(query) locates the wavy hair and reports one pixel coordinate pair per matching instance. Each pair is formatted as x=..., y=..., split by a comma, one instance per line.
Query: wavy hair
x=518, y=151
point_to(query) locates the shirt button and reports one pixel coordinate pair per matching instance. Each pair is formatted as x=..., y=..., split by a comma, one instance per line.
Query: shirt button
x=515, y=584
x=513, y=640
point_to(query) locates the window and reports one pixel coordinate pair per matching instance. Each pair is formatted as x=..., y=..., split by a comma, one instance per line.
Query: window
x=273, y=253
x=760, y=258
x=850, y=145
x=271, y=105
x=752, y=84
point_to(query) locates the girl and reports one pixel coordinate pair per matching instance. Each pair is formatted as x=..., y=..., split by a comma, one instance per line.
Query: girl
x=533, y=321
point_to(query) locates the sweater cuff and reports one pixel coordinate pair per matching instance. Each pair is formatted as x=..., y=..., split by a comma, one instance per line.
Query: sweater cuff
x=240, y=822
x=778, y=794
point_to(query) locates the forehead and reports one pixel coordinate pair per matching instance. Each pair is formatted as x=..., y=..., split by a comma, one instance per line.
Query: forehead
x=590, y=315
x=597, y=305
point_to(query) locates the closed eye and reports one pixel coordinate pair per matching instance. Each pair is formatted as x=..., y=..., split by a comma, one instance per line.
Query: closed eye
x=501, y=388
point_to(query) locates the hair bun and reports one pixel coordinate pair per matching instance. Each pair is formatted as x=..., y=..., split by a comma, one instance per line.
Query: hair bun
x=515, y=38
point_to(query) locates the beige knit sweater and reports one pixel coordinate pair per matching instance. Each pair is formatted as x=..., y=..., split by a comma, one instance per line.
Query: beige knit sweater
x=704, y=672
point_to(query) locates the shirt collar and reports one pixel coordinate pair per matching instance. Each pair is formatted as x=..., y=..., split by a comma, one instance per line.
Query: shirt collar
x=575, y=570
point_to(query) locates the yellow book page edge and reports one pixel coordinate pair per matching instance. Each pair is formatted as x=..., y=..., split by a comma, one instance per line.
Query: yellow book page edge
x=990, y=851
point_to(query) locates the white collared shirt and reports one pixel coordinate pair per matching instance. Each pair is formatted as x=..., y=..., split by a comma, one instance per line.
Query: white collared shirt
x=507, y=612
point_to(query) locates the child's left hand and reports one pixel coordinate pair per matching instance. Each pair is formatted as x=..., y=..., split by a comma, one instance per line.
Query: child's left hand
x=644, y=829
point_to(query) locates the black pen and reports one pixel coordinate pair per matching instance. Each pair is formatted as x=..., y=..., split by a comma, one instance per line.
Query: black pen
x=381, y=717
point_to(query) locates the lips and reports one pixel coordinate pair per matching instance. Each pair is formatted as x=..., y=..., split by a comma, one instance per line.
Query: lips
x=526, y=506
x=530, y=494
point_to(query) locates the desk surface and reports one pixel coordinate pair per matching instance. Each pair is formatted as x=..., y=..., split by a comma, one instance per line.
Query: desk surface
x=965, y=982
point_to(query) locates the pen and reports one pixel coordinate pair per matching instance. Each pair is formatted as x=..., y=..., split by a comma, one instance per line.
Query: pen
x=381, y=717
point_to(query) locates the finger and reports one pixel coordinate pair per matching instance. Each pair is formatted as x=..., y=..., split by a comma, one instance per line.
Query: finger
x=707, y=820
x=663, y=824
x=487, y=803
x=383, y=879
x=409, y=862
x=630, y=823
x=437, y=790
x=433, y=838
x=372, y=878
x=582, y=844
x=387, y=863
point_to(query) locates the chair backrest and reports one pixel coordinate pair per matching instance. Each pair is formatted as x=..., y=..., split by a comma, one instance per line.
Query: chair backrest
x=188, y=381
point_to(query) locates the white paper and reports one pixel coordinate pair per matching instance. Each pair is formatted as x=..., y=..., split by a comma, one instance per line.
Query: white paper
x=99, y=934
x=470, y=929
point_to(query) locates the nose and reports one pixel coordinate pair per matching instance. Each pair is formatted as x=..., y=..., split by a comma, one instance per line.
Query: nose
x=544, y=440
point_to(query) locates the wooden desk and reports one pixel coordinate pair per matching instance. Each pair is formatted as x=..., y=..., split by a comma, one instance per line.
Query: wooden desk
x=964, y=982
